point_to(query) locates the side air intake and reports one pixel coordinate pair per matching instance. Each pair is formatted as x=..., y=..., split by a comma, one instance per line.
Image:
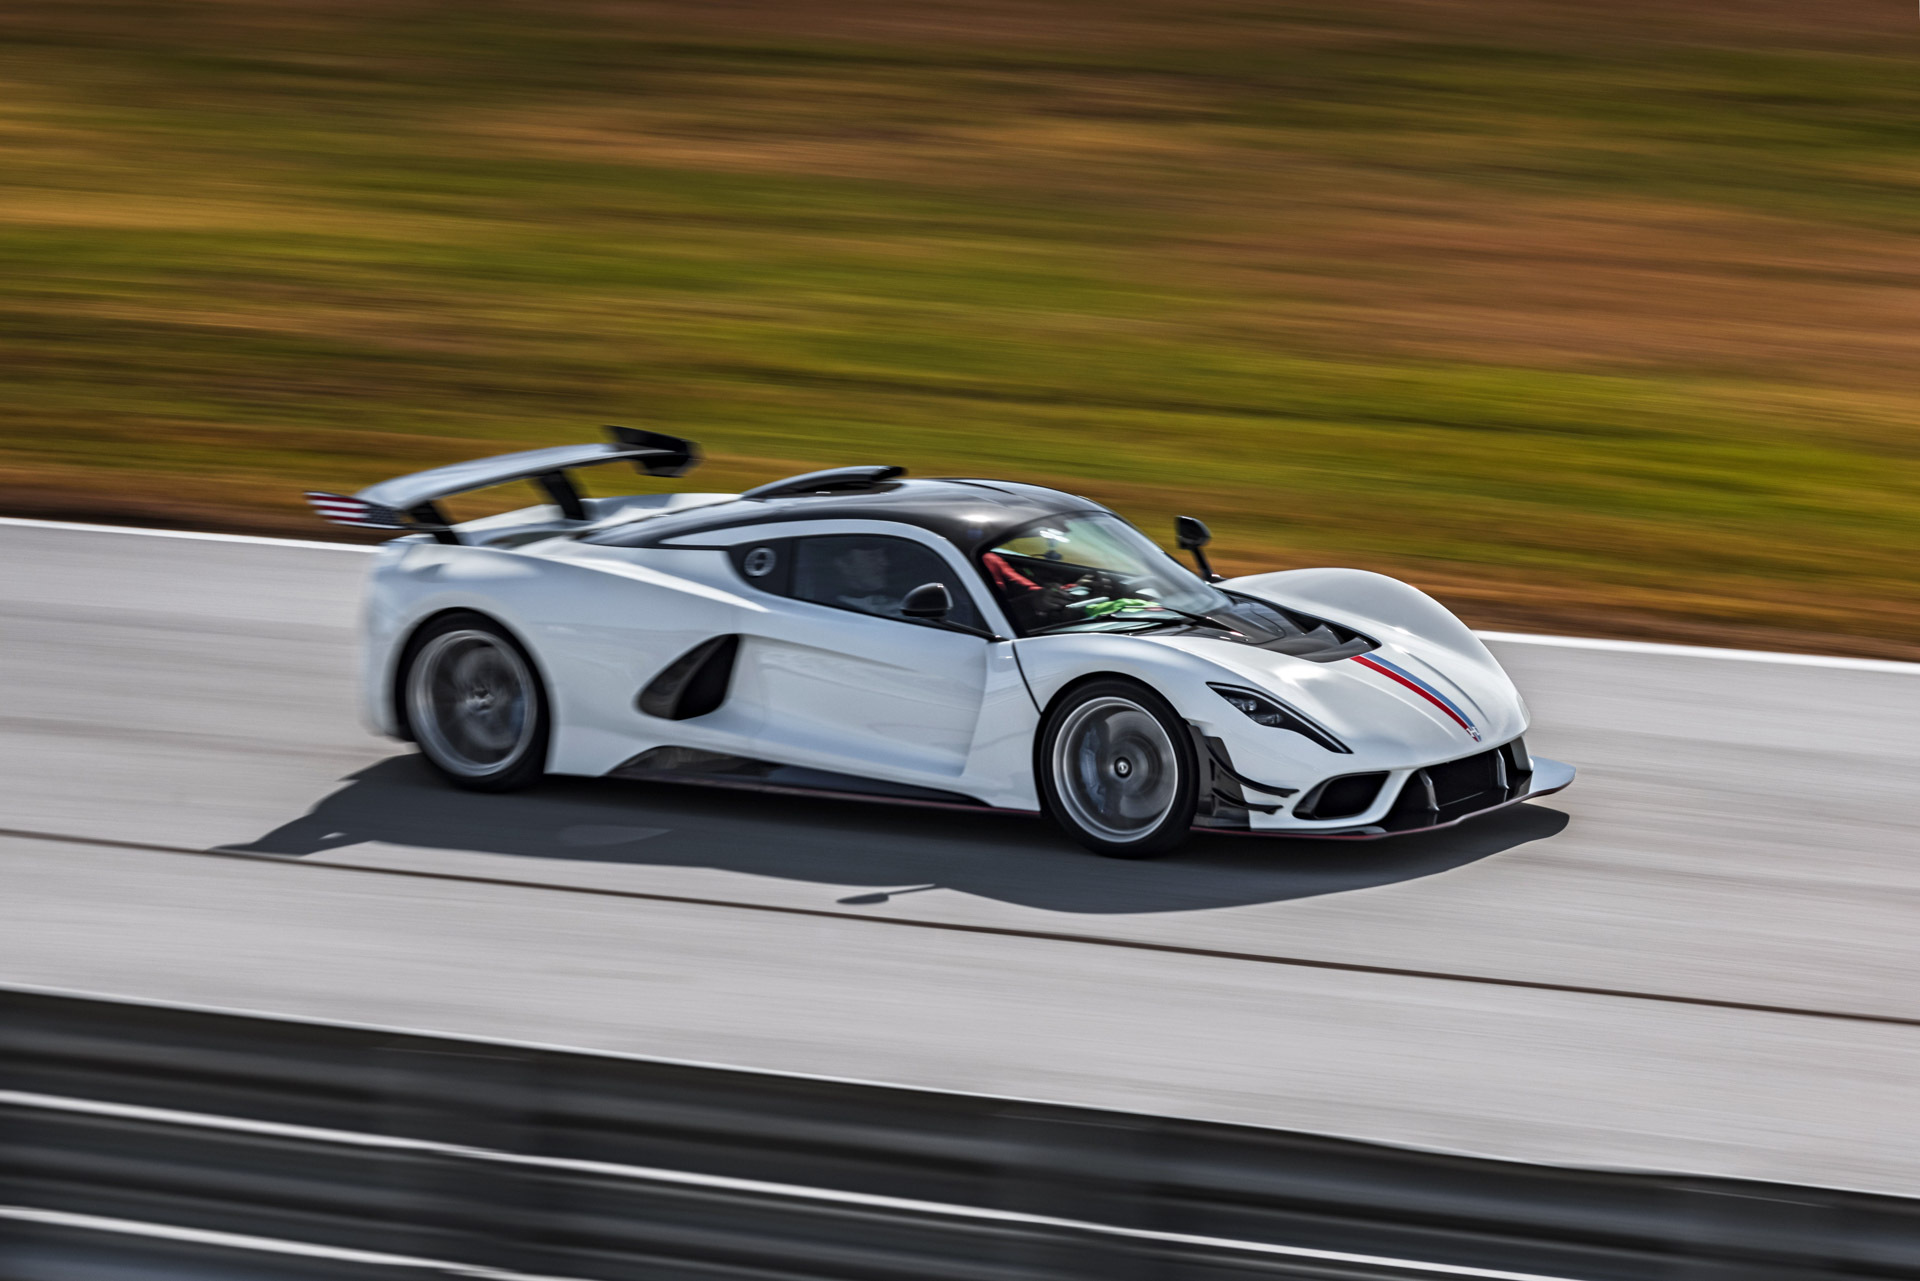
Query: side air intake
x=694, y=683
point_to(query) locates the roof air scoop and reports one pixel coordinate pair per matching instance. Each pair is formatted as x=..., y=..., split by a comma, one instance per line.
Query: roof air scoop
x=835, y=480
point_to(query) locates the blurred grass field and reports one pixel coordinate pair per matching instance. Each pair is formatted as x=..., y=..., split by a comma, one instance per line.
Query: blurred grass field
x=1586, y=318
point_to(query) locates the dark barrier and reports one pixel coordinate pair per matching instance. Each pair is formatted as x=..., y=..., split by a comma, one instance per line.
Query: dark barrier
x=143, y=1141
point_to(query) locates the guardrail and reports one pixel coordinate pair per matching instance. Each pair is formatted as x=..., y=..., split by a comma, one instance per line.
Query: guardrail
x=143, y=1140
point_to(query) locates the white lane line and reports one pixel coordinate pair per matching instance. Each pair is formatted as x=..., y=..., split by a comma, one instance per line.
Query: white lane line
x=727, y=1183
x=1705, y=651
x=141, y=531
x=259, y=1245
x=1508, y=638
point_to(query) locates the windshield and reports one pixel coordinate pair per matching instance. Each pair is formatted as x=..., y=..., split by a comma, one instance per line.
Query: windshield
x=1091, y=573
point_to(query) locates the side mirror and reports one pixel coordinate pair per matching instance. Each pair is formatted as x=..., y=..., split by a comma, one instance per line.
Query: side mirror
x=930, y=601
x=1192, y=534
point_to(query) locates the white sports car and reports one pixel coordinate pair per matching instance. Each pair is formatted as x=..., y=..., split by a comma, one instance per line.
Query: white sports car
x=974, y=643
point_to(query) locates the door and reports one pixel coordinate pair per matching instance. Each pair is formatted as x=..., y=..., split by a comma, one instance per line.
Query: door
x=846, y=680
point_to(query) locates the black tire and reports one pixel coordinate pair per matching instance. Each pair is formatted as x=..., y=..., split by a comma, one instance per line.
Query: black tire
x=1117, y=769
x=473, y=701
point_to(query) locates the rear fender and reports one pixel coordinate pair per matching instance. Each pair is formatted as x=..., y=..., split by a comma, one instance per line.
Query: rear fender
x=596, y=632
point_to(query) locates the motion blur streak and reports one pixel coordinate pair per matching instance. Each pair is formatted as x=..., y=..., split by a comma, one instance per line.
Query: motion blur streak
x=761, y=1187
x=584, y=1163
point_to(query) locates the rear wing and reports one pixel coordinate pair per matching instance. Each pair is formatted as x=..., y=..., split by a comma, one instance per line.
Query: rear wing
x=411, y=502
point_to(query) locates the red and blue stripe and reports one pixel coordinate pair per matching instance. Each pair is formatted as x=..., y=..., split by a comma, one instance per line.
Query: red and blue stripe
x=1394, y=672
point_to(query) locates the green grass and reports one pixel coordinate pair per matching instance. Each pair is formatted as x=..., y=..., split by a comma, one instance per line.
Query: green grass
x=1596, y=323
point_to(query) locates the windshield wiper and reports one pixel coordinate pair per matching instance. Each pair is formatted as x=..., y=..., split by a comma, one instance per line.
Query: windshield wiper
x=1201, y=619
x=1136, y=615
x=1103, y=618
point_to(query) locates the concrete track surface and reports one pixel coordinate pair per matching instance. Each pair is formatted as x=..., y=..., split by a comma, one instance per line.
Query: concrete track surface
x=1703, y=957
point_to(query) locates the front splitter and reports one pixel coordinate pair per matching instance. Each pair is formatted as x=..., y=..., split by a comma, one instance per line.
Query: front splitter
x=1548, y=777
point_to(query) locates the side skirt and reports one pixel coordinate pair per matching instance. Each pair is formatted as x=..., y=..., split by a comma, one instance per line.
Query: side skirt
x=718, y=769
x=702, y=768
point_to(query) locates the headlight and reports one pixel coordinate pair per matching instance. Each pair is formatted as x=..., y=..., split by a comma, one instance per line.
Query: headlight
x=1268, y=710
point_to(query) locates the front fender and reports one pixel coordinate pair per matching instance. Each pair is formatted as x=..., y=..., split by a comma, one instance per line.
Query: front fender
x=1183, y=675
x=1386, y=728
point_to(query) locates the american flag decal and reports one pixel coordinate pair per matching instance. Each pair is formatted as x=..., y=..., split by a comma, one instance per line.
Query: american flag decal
x=1401, y=676
x=344, y=510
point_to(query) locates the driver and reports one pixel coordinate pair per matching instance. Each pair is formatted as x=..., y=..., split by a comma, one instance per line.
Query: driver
x=860, y=575
x=1029, y=603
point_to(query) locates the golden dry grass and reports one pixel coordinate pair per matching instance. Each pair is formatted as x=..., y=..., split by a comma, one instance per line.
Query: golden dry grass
x=1594, y=318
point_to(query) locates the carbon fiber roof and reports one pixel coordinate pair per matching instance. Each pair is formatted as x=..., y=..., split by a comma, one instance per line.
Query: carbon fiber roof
x=967, y=513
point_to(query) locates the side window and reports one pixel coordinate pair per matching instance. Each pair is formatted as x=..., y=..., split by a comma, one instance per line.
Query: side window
x=872, y=574
x=767, y=565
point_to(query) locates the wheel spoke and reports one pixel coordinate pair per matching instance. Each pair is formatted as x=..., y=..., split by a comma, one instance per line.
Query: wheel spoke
x=472, y=700
x=1115, y=768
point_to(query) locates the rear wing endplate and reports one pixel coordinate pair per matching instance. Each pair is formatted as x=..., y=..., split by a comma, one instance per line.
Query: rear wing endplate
x=411, y=502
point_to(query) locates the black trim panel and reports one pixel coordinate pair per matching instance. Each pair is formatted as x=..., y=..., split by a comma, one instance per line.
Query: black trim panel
x=1439, y=793
x=564, y=493
x=718, y=769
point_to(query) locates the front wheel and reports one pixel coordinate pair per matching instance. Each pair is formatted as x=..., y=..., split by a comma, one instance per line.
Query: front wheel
x=475, y=705
x=1117, y=770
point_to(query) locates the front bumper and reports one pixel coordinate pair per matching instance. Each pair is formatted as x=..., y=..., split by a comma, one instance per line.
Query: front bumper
x=1547, y=778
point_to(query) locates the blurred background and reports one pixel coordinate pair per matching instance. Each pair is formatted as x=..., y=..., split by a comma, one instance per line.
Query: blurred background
x=1592, y=318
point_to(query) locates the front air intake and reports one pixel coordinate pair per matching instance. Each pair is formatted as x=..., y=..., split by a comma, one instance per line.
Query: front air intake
x=1441, y=793
x=1342, y=797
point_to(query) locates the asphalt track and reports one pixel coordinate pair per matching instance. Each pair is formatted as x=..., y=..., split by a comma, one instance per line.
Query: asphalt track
x=1703, y=957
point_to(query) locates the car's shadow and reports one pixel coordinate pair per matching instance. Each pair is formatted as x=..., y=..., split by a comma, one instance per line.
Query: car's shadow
x=1011, y=858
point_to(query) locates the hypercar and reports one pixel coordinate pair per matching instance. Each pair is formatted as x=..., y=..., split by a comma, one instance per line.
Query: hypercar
x=952, y=642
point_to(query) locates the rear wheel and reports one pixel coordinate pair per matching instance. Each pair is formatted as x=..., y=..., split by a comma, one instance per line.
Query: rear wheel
x=1117, y=770
x=475, y=705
